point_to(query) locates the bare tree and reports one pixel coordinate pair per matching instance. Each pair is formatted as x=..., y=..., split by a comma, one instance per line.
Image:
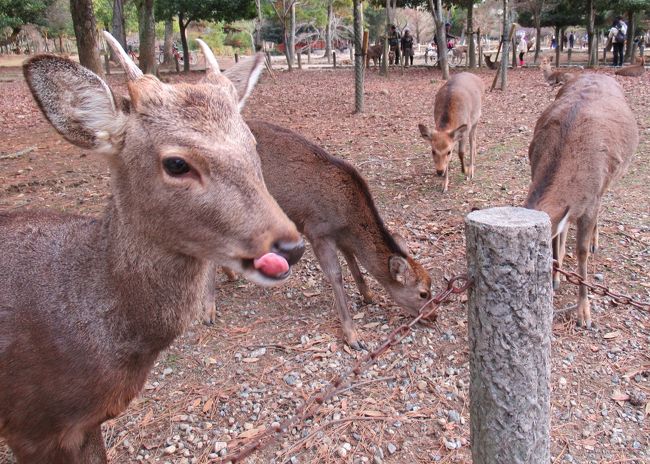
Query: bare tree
x=118, y=29
x=168, y=43
x=420, y=21
x=441, y=41
x=328, y=30
x=285, y=10
x=85, y=31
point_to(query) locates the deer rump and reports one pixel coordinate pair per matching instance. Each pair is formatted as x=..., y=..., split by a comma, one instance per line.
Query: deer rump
x=582, y=143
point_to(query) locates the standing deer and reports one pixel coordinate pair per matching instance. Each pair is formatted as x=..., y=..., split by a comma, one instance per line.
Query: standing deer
x=582, y=142
x=375, y=53
x=456, y=113
x=88, y=303
x=330, y=203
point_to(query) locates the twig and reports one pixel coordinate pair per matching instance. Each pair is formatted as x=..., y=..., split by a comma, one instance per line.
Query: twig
x=18, y=154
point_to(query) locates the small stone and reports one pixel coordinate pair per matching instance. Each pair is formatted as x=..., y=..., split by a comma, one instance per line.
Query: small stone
x=442, y=421
x=449, y=444
x=347, y=446
x=171, y=449
x=604, y=413
x=342, y=452
x=220, y=445
x=562, y=382
x=258, y=353
x=599, y=277
x=293, y=460
x=167, y=371
x=453, y=416
x=290, y=379
x=568, y=458
x=422, y=385
x=392, y=449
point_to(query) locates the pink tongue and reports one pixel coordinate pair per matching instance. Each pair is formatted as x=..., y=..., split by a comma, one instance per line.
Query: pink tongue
x=271, y=265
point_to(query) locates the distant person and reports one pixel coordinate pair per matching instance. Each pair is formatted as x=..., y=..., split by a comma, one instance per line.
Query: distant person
x=407, y=47
x=617, y=35
x=522, y=48
x=553, y=42
x=393, y=43
x=572, y=39
x=641, y=44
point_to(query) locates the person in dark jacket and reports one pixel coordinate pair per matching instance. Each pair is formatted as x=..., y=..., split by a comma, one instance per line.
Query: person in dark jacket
x=407, y=47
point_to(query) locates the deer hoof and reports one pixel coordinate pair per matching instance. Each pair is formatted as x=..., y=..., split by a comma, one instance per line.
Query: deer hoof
x=369, y=298
x=356, y=344
x=210, y=314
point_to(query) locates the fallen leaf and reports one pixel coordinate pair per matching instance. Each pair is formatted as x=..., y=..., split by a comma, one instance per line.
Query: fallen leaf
x=252, y=432
x=311, y=294
x=610, y=335
x=372, y=413
x=208, y=405
x=147, y=418
x=370, y=325
x=619, y=396
x=250, y=360
x=358, y=316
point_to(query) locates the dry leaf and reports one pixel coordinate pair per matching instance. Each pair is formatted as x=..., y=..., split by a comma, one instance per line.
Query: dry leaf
x=619, y=396
x=311, y=294
x=372, y=413
x=147, y=418
x=358, y=316
x=208, y=405
x=250, y=360
x=196, y=403
x=371, y=325
x=613, y=334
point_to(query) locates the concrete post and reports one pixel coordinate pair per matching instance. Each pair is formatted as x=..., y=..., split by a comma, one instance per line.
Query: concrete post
x=510, y=317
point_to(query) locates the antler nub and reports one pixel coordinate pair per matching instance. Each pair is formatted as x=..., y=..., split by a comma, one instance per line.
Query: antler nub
x=130, y=68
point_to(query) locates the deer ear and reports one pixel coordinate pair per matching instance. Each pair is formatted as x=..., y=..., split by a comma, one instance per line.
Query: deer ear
x=79, y=105
x=457, y=133
x=244, y=76
x=425, y=132
x=399, y=269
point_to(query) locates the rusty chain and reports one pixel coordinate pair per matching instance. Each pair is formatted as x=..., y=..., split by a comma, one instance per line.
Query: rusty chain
x=455, y=285
x=600, y=290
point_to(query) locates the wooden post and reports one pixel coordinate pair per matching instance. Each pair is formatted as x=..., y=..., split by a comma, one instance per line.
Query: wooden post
x=299, y=59
x=334, y=58
x=107, y=62
x=569, y=52
x=236, y=57
x=510, y=316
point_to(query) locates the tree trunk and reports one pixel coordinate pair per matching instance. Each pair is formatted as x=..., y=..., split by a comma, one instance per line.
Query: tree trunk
x=470, y=32
x=538, y=37
x=358, y=58
x=292, y=33
x=61, y=44
x=146, y=25
x=592, y=48
x=182, y=25
x=557, y=48
x=384, y=58
x=630, y=35
x=168, y=44
x=328, y=30
x=85, y=31
x=441, y=39
x=258, y=26
x=118, y=28
x=505, y=41
x=12, y=38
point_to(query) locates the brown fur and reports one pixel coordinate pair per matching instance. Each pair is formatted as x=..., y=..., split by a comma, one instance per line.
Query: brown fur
x=330, y=203
x=456, y=112
x=88, y=303
x=554, y=77
x=375, y=53
x=635, y=70
x=459, y=54
x=582, y=142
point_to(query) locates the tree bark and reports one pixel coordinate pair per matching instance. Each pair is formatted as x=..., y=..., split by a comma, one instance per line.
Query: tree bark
x=441, y=38
x=557, y=48
x=292, y=33
x=510, y=319
x=328, y=30
x=85, y=31
x=384, y=58
x=630, y=35
x=147, y=27
x=470, y=31
x=118, y=27
x=592, y=48
x=358, y=58
x=182, y=25
x=505, y=42
x=538, y=36
x=258, y=26
x=168, y=44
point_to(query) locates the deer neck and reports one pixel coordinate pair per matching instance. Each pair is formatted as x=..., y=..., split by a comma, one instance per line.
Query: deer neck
x=370, y=245
x=157, y=292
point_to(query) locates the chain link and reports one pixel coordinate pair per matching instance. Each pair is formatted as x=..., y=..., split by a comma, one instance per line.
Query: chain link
x=600, y=290
x=457, y=284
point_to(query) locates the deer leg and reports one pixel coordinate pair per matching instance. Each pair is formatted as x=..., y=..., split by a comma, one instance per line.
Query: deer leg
x=559, y=252
x=583, y=241
x=230, y=274
x=594, y=239
x=368, y=297
x=461, y=155
x=325, y=252
x=91, y=451
x=472, y=151
x=209, y=305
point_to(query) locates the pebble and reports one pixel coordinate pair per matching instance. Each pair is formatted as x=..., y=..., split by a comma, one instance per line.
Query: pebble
x=342, y=452
x=220, y=445
x=599, y=277
x=258, y=353
x=422, y=385
x=171, y=449
x=453, y=416
x=167, y=371
x=391, y=448
x=290, y=379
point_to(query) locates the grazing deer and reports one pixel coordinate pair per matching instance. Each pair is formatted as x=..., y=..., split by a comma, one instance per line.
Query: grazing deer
x=582, y=142
x=456, y=112
x=330, y=203
x=634, y=70
x=88, y=303
x=459, y=53
x=554, y=77
x=375, y=53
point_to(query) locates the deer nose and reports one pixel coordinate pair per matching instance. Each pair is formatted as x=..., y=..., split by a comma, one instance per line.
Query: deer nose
x=291, y=251
x=440, y=172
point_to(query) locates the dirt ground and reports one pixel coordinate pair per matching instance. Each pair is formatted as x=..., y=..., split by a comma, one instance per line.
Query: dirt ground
x=272, y=348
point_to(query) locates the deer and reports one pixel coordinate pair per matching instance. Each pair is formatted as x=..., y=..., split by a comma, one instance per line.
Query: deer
x=456, y=112
x=582, y=143
x=331, y=204
x=88, y=303
x=634, y=70
x=375, y=53
x=459, y=53
x=556, y=77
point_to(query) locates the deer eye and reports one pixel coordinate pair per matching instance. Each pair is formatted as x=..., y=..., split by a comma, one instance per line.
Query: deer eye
x=176, y=166
x=424, y=295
